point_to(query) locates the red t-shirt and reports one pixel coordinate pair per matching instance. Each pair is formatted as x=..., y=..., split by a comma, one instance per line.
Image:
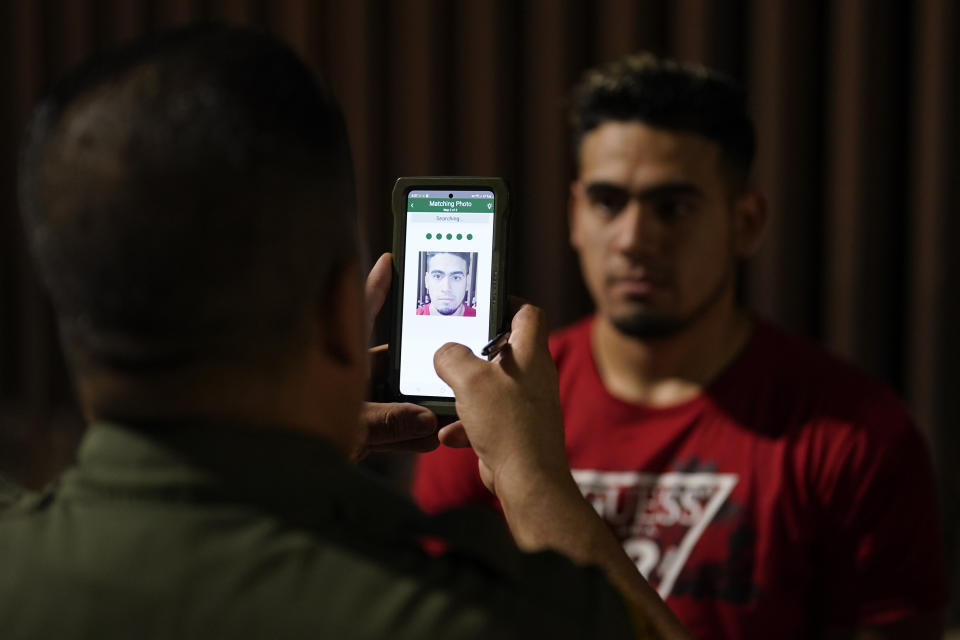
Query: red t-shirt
x=792, y=495
x=468, y=311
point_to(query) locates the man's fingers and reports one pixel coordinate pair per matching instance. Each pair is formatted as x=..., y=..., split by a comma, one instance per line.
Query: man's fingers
x=454, y=435
x=528, y=333
x=379, y=359
x=378, y=367
x=420, y=445
x=395, y=422
x=456, y=365
x=378, y=287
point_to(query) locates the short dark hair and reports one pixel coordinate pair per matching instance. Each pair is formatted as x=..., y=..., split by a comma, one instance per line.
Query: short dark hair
x=463, y=255
x=188, y=197
x=669, y=95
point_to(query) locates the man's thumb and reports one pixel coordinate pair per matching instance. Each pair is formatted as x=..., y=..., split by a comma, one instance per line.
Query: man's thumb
x=456, y=365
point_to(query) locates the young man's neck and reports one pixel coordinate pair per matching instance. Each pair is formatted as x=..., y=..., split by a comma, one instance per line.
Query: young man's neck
x=670, y=371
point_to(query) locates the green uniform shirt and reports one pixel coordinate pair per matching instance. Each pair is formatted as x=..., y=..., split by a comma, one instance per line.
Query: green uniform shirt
x=9, y=493
x=194, y=531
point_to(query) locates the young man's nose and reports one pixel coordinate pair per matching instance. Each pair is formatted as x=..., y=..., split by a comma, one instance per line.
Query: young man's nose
x=637, y=230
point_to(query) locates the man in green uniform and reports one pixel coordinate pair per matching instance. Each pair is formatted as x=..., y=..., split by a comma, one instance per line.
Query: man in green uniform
x=189, y=202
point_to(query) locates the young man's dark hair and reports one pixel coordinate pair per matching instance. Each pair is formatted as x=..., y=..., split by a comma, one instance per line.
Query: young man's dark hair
x=668, y=95
x=463, y=255
x=212, y=149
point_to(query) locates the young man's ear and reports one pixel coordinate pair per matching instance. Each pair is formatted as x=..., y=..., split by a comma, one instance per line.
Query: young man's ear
x=750, y=217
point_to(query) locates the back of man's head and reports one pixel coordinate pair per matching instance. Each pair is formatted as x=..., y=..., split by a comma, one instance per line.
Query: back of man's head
x=668, y=95
x=188, y=198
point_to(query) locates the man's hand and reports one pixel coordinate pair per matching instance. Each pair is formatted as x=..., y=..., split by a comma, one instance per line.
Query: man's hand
x=390, y=426
x=398, y=427
x=509, y=408
x=509, y=411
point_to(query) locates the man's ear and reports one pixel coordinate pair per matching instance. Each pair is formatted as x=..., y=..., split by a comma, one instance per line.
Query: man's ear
x=341, y=318
x=750, y=217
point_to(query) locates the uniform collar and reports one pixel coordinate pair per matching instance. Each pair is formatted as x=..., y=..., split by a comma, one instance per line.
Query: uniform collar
x=298, y=477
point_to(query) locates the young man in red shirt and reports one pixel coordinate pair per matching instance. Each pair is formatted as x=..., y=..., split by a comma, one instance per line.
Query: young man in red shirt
x=764, y=487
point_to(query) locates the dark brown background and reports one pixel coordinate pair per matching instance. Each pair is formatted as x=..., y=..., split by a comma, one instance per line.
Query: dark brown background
x=856, y=102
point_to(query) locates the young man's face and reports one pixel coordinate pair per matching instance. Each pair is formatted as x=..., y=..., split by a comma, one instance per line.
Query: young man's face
x=654, y=225
x=446, y=280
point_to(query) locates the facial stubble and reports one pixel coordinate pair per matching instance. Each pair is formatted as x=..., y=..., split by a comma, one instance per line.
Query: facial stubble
x=651, y=326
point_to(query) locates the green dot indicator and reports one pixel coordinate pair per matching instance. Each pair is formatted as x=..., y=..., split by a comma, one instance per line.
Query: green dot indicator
x=429, y=235
x=439, y=236
x=459, y=236
x=449, y=236
x=469, y=236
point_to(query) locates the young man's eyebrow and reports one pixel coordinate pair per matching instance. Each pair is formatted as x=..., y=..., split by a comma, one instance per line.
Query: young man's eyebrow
x=660, y=190
x=456, y=272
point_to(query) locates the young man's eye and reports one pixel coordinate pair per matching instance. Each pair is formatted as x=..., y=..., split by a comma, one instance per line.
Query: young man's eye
x=610, y=206
x=608, y=202
x=436, y=275
x=457, y=277
x=672, y=211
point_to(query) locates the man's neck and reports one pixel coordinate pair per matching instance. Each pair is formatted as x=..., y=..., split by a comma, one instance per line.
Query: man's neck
x=669, y=371
x=289, y=401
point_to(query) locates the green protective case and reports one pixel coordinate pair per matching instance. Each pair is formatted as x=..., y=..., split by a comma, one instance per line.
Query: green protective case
x=444, y=406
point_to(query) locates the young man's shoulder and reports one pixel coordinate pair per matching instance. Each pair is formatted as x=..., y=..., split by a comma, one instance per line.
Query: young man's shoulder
x=802, y=367
x=778, y=378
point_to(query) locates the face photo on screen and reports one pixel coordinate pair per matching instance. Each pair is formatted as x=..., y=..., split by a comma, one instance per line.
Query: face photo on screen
x=447, y=284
